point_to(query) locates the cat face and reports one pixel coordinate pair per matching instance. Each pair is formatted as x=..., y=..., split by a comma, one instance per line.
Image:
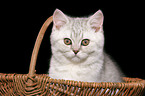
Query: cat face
x=76, y=39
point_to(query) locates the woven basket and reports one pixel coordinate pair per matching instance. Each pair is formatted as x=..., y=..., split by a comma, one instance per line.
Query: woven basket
x=41, y=84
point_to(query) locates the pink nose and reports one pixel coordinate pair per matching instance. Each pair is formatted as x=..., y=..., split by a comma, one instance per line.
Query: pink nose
x=75, y=51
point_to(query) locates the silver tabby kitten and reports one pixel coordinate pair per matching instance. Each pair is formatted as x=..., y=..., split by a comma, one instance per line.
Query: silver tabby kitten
x=77, y=50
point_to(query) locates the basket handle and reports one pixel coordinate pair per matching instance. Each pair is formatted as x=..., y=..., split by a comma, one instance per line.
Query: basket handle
x=37, y=46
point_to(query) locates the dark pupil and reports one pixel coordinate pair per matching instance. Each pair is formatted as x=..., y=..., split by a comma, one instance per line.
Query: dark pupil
x=67, y=41
x=85, y=41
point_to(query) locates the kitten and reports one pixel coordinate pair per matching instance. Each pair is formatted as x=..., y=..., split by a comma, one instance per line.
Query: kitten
x=77, y=50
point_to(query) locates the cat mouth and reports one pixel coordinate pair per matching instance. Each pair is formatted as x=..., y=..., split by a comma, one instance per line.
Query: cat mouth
x=76, y=59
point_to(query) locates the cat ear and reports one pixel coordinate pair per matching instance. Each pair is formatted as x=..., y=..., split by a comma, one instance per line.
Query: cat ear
x=59, y=19
x=96, y=20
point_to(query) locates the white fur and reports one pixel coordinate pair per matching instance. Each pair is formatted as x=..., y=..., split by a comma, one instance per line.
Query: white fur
x=91, y=63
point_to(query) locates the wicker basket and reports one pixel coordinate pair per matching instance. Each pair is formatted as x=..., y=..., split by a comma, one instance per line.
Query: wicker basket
x=41, y=84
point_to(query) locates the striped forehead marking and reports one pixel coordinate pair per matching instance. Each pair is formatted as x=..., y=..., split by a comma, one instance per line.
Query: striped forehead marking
x=78, y=27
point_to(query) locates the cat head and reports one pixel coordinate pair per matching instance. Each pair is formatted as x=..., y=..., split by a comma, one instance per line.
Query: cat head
x=77, y=39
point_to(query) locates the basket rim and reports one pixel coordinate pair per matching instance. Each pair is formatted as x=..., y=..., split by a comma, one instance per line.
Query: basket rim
x=129, y=82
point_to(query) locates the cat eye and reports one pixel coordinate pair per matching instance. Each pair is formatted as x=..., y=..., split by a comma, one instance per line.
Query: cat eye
x=67, y=41
x=85, y=42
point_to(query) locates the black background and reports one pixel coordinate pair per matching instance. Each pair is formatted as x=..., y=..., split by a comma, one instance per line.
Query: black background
x=21, y=22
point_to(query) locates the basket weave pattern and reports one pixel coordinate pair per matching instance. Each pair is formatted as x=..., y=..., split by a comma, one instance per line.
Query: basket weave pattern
x=17, y=84
x=41, y=84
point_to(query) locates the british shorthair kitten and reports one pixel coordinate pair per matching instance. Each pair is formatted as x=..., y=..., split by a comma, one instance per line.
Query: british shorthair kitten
x=77, y=50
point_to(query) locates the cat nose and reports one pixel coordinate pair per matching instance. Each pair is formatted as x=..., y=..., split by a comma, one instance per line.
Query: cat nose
x=75, y=51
